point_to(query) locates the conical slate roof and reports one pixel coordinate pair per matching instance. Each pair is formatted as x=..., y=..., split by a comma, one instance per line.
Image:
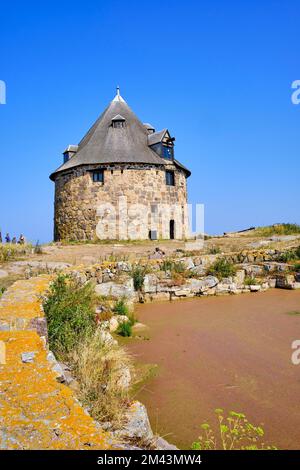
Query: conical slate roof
x=105, y=144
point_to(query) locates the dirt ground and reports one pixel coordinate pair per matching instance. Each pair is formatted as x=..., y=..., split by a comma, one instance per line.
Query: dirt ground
x=92, y=253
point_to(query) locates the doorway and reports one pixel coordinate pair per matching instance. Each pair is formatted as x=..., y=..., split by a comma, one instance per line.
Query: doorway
x=172, y=229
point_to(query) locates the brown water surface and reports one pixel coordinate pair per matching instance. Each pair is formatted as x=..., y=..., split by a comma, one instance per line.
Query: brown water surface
x=232, y=352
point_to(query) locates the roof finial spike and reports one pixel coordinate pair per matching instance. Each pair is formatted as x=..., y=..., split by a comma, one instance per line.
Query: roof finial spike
x=118, y=97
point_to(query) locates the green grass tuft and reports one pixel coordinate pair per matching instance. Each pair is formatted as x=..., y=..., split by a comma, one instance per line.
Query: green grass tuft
x=125, y=329
x=121, y=307
x=222, y=268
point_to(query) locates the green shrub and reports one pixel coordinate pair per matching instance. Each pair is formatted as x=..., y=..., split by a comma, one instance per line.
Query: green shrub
x=214, y=250
x=121, y=307
x=221, y=268
x=287, y=256
x=167, y=265
x=138, y=274
x=70, y=312
x=125, y=328
x=297, y=267
x=2, y=290
x=132, y=319
x=173, y=266
x=234, y=432
x=290, y=255
x=251, y=281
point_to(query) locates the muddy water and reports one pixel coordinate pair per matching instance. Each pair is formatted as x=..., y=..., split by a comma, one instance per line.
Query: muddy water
x=232, y=352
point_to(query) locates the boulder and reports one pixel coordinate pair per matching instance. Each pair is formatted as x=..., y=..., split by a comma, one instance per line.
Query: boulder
x=199, y=270
x=239, y=278
x=255, y=288
x=187, y=263
x=115, y=321
x=28, y=357
x=162, y=444
x=107, y=339
x=285, y=281
x=159, y=296
x=182, y=292
x=265, y=286
x=272, y=283
x=123, y=266
x=124, y=379
x=226, y=287
x=3, y=273
x=205, y=284
x=137, y=425
x=116, y=290
x=59, y=372
x=254, y=269
x=113, y=324
x=150, y=283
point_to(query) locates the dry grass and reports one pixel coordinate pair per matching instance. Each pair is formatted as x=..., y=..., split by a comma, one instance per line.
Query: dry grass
x=98, y=369
x=276, y=229
x=10, y=251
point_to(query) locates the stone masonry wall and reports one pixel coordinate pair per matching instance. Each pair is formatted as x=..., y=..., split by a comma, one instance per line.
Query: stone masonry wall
x=77, y=199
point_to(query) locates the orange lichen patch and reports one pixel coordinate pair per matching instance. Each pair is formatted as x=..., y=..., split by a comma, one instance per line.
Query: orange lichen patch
x=37, y=412
x=21, y=301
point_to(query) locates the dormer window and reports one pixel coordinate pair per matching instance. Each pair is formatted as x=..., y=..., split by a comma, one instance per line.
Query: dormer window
x=118, y=121
x=70, y=152
x=162, y=143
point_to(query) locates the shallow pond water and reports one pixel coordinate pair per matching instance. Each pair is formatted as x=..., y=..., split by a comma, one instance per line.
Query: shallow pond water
x=232, y=352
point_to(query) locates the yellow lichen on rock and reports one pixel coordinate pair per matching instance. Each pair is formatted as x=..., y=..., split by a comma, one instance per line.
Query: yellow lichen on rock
x=37, y=412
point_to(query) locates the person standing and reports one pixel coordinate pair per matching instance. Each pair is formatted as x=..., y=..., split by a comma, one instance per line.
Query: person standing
x=22, y=239
x=7, y=238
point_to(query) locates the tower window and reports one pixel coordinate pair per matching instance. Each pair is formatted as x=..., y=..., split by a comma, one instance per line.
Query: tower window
x=98, y=176
x=118, y=124
x=170, y=178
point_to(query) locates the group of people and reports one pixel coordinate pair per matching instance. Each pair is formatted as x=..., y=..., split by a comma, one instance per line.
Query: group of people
x=14, y=240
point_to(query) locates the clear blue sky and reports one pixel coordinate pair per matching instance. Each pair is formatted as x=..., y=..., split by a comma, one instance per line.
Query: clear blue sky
x=218, y=74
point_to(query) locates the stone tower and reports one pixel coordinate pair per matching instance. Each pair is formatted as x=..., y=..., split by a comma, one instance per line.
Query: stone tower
x=121, y=182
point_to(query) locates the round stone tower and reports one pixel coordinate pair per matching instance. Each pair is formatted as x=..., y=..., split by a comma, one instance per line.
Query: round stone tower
x=121, y=182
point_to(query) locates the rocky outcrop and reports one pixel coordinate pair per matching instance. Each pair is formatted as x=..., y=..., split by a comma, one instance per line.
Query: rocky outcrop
x=117, y=291
x=288, y=281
